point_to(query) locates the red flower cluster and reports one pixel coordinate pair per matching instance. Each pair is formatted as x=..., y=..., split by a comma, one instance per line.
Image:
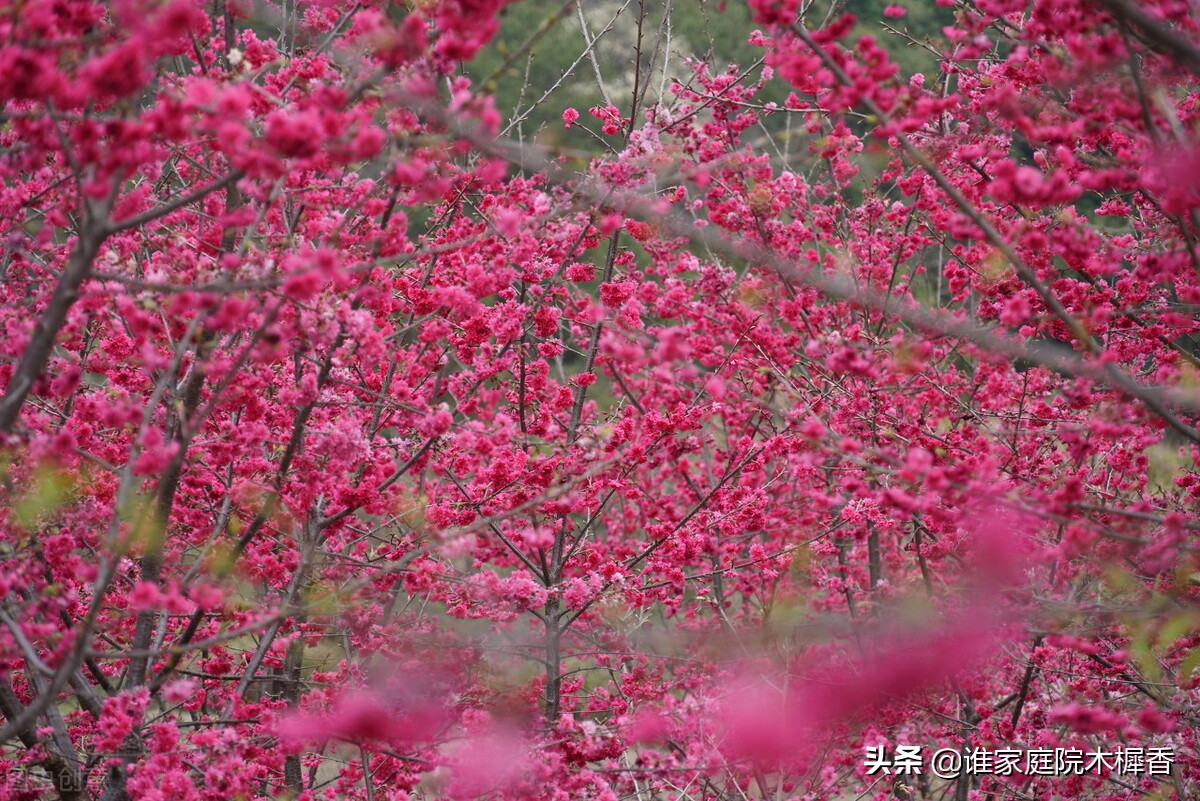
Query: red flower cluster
x=352, y=449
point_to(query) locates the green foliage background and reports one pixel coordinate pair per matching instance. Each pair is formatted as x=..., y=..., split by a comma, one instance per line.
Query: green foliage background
x=710, y=31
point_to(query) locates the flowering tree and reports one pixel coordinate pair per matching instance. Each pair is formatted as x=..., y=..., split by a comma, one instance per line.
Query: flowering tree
x=353, y=446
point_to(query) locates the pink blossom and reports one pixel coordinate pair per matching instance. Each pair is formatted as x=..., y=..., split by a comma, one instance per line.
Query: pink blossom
x=144, y=596
x=177, y=692
x=353, y=445
x=1086, y=719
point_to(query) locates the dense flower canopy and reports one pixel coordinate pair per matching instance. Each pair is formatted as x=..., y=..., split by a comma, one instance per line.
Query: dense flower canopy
x=356, y=447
